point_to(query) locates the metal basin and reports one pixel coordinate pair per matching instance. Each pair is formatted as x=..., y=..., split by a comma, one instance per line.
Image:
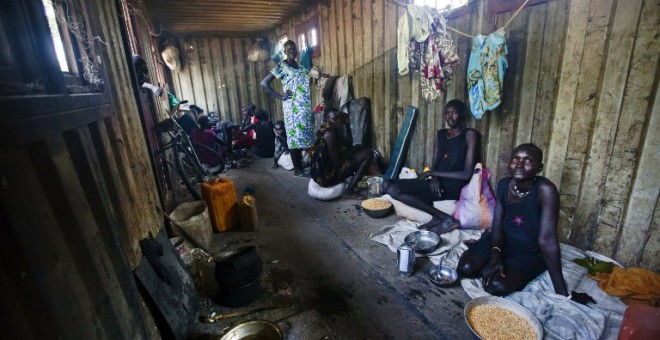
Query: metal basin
x=506, y=304
x=424, y=241
x=443, y=276
x=256, y=329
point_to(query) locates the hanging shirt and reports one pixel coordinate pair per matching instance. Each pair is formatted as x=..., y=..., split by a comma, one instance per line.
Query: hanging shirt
x=485, y=72
x=414, y=24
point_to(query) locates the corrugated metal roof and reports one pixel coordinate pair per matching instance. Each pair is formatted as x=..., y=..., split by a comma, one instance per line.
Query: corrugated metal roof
x=223, y=16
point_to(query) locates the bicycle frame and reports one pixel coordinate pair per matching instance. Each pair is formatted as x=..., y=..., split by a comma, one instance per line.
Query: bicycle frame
x=187, y=163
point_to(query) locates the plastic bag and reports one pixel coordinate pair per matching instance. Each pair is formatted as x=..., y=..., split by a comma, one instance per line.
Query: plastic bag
x=407, y=173
x=259, y=51
x=314, y=190
x=476, y=205
x=285, y=161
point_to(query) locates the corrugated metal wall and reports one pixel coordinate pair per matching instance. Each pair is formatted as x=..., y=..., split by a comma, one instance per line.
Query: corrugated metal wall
x=581, y=84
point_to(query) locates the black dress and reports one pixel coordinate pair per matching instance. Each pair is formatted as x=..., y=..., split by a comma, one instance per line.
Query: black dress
x=521, y=226
x=451, y=157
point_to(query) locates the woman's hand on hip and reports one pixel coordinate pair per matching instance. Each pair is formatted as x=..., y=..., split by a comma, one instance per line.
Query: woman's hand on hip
x=287, y=95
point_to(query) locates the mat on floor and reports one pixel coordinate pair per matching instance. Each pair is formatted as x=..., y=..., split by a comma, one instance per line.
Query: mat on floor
x=560, y=317
x=402, y=142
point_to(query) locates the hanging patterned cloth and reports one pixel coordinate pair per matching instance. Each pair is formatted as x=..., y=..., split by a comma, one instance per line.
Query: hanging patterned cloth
x=485, y=73
x=439, y=56
x=426, y=47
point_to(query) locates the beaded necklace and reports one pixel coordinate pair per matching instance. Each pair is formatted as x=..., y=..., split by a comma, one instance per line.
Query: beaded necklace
x=523, y=194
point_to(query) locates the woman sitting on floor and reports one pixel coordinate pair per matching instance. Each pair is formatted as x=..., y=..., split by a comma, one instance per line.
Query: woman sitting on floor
x=334, y=158
x=523, y=242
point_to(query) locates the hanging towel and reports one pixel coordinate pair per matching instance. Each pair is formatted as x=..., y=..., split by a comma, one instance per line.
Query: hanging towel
x=485, y=73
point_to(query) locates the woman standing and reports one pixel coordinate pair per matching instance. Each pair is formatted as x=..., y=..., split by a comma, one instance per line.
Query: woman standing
x=296, y=101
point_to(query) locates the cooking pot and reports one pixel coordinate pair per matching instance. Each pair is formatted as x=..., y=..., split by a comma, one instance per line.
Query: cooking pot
x=255, y=329
x=237, y=273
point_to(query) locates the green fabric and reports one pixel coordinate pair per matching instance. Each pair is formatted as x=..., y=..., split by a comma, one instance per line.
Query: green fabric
x=173, y=100
x=595, y=266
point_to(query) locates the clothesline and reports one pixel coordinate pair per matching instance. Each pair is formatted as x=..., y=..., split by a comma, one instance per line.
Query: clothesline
x=463, y=33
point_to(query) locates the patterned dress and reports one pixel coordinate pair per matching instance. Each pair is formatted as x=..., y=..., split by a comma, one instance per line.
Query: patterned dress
x=298, y=117
x=521, y=228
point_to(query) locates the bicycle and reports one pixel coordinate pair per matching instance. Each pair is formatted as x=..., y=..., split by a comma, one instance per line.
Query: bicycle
x=185, y=160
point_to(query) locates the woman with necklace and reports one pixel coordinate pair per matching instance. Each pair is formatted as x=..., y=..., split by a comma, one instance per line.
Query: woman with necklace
x=296, y=102
x=523, y=242
x=456, y=151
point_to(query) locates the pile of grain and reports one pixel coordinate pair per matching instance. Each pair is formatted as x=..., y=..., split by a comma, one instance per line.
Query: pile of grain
x=376, y=204
x=492, y=322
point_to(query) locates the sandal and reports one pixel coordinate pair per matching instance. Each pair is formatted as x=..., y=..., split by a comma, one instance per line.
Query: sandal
x=301, y=173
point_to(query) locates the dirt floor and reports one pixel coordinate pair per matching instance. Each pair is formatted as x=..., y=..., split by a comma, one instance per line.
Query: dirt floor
x=319, y=264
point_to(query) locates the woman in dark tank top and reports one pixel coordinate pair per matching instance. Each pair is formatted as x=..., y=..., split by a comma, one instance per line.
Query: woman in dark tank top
x=456, y=151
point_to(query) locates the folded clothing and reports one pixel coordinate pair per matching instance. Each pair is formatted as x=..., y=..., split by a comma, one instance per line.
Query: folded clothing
x=632, y=285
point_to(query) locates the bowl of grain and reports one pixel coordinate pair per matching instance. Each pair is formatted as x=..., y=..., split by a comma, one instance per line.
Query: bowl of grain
x=494, y=318
x=376, y=207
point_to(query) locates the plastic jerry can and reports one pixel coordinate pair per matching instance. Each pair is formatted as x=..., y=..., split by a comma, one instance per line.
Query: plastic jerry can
x=220, y=197
x=247, y=211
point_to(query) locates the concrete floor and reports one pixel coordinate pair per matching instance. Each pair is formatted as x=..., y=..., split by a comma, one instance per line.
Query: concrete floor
x=319, y=260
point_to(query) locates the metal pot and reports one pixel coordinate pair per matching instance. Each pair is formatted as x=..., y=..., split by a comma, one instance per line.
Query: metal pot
x=255, y=329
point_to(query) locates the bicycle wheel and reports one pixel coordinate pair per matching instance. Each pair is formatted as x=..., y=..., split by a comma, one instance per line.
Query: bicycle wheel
x=213, y=157
x=191, y=172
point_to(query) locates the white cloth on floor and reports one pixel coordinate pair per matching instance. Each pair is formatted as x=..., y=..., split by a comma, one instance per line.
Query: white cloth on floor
x=451, y=245
x=560, y=317
x=414, y=214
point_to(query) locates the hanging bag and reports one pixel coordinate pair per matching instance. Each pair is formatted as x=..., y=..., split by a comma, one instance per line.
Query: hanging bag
x=476, y=205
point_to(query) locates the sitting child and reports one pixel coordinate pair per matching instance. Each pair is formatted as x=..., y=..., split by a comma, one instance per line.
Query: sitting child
x=244, y=137
x=205, y=141
x=263, y=130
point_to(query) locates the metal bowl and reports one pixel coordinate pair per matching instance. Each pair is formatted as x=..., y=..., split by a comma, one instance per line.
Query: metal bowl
x=506, y=304
x=444, y=277
x=424, y=241
x=256, y=329
x=377, y=213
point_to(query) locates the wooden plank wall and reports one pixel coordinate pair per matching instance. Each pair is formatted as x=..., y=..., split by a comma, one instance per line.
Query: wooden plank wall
x=217, y=76
x=581, y=84
x=73, y=205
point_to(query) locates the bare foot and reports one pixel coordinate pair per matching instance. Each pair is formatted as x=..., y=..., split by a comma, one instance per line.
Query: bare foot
x=447, y=225
x=353, y=196
x=430, y=224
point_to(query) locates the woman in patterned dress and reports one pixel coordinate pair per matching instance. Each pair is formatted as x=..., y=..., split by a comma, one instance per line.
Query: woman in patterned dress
x=296, y=101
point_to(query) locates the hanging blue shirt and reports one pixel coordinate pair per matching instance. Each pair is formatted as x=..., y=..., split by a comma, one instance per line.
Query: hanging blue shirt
x=485, y=73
